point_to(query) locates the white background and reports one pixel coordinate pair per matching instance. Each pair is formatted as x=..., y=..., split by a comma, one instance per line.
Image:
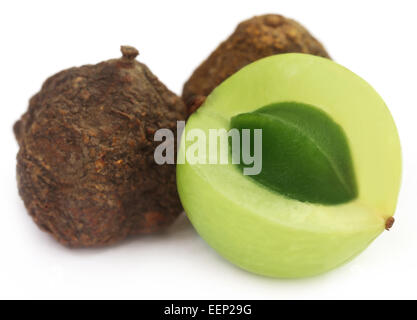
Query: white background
x=375, y=39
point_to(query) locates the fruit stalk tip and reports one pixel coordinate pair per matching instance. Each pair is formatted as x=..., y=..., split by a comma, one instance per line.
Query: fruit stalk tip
x=389, y=223
x=129, y=52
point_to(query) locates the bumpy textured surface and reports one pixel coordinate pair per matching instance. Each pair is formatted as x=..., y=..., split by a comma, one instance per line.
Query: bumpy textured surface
x=85, y=167
x=252, y=40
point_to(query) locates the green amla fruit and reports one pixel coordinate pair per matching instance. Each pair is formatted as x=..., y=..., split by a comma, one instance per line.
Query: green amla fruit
x=331, y=167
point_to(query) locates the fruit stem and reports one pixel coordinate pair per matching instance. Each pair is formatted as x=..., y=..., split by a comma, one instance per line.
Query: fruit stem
x=129, y=52
x=389, y=223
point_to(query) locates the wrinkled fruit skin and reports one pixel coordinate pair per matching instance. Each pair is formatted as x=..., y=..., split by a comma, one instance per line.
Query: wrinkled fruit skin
x=252, y=40
x=85, y=167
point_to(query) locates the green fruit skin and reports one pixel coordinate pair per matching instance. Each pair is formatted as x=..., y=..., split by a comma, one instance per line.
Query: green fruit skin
x=267, y=233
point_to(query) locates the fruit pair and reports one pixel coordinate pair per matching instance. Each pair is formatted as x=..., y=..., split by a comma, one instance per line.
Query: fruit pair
x=86, y=168
x=331, y=159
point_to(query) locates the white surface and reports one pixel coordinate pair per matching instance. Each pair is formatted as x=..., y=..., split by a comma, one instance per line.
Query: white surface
x=375, y=39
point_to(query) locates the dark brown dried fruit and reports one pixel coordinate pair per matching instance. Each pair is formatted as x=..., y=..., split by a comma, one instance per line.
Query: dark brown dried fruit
x=252, y=40
x=85, y=167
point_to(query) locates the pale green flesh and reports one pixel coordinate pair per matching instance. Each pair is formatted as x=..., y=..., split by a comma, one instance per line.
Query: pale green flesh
x=264, y=232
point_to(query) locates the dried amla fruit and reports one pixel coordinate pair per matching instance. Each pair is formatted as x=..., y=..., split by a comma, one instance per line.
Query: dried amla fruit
x=86, y=168
x=330, y=166
x=252, y=40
